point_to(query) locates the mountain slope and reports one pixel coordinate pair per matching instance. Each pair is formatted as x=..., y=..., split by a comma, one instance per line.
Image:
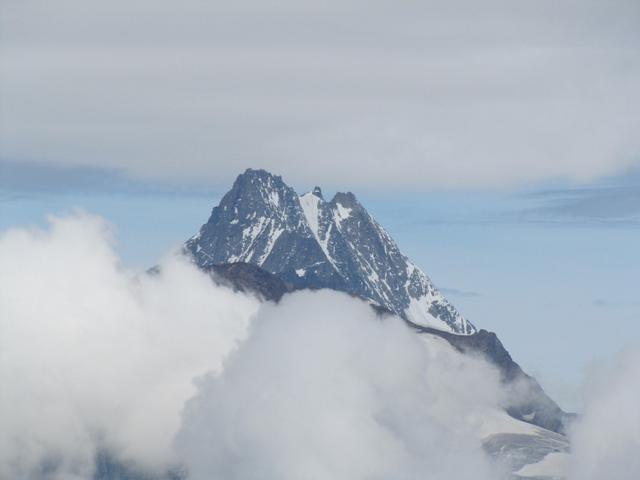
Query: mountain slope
x=313, y=243
x=525, y=438
x=535, y=407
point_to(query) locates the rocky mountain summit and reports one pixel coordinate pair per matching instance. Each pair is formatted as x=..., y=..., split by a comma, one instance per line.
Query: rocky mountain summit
x=310, y=242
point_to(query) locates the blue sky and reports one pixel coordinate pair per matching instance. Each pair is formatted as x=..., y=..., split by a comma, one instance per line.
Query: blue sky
x=553, y=269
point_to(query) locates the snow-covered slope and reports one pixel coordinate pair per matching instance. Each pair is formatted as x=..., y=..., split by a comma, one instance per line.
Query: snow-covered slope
x=314, y=243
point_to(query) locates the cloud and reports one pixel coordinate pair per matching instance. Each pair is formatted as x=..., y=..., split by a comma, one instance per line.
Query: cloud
x=19, y=179
x=32, y=177
x=454, y=292
x=601, y=302
x=334, y=392
x=605, y=442
x=611, y=202
x=94, y=357
x=450, y=94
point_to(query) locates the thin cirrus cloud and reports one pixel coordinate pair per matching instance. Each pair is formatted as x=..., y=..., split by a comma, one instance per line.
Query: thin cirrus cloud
x=455, y=292
x=454, y=93
x=605, y=440
x=612, y=202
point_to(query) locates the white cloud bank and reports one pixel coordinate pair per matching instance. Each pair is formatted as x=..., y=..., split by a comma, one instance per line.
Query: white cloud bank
x=94, y=357
x=90, y=354
x=455, y=93
x=332, y=392
x=606, y=442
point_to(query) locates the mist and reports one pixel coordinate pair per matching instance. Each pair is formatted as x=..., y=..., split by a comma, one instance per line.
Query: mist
x=170, y=369
x=93, y=356
x=324, y=389
x=606, y=441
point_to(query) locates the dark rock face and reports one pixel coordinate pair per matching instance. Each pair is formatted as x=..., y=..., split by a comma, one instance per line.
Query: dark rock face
x=245, y=277
x=109, y=467
x=311, y=243
x=532, y=404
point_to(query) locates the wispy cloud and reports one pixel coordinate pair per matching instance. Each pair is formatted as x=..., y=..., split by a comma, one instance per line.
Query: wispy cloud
x=19, y=180
x=600, y=302
x=307, y=388
x=612, y=202
x=454, y=292
x=617, y=303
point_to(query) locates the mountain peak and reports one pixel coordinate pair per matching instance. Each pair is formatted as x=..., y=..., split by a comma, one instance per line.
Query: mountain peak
x=259, y=179
x=311, y=243
x=317, y=192
x=347, y=200
x=258, y=173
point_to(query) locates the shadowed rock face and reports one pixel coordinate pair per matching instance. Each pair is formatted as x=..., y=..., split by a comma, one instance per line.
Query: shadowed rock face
x=245, y=277
x=312, y=243
x=533, y=405
x=109, y=467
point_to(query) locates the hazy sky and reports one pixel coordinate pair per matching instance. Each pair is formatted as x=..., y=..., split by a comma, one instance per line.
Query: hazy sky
x=351, y=94
x=496, y=141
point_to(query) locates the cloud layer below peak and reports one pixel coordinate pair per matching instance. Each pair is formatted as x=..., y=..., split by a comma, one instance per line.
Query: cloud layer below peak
x=96, y=359
x=169, y=369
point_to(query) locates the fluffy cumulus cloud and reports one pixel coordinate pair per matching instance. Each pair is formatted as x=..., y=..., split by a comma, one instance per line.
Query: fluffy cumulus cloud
x=606, y=441
x=334, y=392
x=94, y=358
x=453, y=93
x=168, y=370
